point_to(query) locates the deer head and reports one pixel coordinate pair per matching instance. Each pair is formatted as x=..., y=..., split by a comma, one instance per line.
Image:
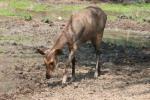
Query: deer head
x=50, y=60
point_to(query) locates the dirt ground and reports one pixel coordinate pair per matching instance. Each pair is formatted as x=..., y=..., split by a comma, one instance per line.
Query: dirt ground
x=125, y=71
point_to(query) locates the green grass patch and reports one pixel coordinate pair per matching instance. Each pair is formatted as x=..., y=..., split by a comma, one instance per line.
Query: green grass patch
x=25, y=15
x=15, y=38
x=20, y=4
x=136, y=11
x=120, y=8
x=2, y=50
x=3, y=0
x=72, y=8
x=126, y=38
x=27, y=5
x=6, y=12
x=40, y=7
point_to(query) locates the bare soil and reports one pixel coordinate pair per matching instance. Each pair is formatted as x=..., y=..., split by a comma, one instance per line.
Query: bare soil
x=125, y=71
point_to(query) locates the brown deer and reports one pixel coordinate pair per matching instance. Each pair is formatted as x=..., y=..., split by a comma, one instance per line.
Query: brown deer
x=85, y=25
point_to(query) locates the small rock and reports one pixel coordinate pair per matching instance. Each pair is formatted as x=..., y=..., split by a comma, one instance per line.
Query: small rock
x=35, y=25
x=146, y=20
x=60, y=18
x=123, y=17
x=14, y=43
x=20, y=72
x=51, y=23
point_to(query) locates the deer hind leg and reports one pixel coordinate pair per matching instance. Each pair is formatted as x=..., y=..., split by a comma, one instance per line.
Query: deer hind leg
x=71, y=60
x=97, y=42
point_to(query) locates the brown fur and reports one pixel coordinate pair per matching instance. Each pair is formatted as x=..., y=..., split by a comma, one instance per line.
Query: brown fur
x=85, y=25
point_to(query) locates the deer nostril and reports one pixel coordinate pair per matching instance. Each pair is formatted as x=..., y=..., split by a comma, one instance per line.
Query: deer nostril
x=48, y=76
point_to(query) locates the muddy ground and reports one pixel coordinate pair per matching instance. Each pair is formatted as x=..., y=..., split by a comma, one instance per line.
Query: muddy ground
x=125, y=70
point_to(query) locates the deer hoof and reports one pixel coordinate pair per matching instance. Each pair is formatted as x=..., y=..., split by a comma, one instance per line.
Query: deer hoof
x=72, y=79
x=63, y=85
x=96, y=74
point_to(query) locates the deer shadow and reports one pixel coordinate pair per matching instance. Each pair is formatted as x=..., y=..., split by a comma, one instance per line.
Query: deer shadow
x=117, y=55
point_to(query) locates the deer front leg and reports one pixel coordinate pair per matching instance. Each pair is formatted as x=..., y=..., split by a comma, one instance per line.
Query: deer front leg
x=73, y=70
x=70, y=60
x=73, y=65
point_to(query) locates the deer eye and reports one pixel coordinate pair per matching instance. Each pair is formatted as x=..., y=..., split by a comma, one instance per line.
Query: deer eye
x=52, y=63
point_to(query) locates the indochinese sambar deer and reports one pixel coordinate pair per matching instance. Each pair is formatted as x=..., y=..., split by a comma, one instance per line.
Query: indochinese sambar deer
x=85, y=25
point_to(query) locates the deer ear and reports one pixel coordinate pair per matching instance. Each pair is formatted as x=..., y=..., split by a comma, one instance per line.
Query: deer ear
x=42, y=51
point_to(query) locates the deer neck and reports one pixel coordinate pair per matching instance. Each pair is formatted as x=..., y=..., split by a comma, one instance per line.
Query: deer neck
x=59, y=43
